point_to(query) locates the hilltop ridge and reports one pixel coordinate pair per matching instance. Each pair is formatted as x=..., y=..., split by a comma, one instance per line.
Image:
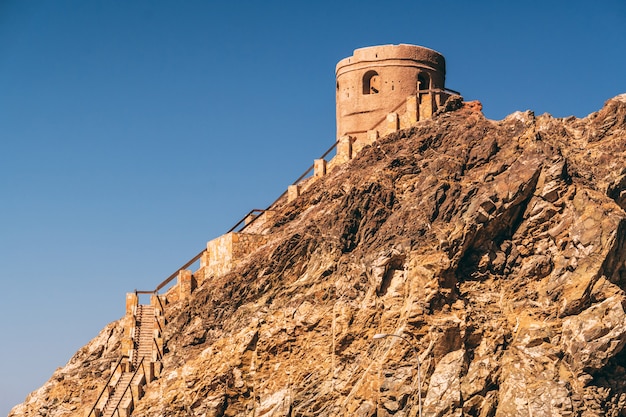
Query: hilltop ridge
x=497, y=248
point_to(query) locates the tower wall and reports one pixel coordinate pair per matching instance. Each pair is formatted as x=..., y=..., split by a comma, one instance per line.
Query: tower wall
x=377, y=80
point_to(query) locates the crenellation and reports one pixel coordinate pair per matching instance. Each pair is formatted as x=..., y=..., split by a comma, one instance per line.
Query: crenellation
x=126, y=408
x=224, y=252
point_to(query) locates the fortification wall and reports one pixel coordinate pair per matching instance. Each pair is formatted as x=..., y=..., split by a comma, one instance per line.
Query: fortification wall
x=225, y=251
x=221, y=256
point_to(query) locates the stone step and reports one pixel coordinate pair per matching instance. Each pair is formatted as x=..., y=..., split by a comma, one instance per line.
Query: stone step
x=118, y=392
x=144, y=347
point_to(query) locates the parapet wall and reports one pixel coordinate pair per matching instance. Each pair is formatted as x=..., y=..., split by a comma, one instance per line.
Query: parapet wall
x=221, y=256
x=223, y=252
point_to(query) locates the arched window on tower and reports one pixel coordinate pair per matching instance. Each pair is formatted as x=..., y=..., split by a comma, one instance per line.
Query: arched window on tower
x=423, y=81
x=371, y=82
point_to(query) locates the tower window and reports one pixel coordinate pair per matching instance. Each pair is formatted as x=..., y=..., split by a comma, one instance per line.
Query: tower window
x=371, y=82
x=423, y=81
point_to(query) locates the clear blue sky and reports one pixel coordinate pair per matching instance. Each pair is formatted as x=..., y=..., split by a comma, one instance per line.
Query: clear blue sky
x=131, y=132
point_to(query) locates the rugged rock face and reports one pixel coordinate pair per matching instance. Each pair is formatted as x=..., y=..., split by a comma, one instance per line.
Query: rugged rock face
x=496, y=247
x=74, y=388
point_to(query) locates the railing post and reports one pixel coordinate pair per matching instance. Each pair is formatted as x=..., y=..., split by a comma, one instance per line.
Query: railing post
x=186, y=283
x=393, y=123
x=136, y=390
x=425, y=105
x=293, y=191
x=372, y=136
x=320, y=168
x=412, y=110
x=95, y=410
x=131, y=301
x=344, y=148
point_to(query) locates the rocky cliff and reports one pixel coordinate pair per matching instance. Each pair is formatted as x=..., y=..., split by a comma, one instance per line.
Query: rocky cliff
x=496, y=248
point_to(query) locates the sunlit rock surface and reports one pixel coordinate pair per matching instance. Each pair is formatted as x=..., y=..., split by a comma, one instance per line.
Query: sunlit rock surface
x=496, y=247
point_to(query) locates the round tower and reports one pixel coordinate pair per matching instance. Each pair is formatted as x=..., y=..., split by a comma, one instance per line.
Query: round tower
x=379, y=83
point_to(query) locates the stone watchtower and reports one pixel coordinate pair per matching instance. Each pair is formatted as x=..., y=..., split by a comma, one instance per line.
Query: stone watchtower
x=383, y=88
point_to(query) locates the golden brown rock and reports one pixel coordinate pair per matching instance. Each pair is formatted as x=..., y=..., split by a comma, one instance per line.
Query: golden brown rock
x=496, y=247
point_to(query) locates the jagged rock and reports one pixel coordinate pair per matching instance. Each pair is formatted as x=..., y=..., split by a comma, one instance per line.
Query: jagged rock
x=595, y=335
x=444, y=389
x=497, y=248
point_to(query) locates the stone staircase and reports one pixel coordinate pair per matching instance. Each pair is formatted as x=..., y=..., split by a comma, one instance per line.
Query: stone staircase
x=139, y=366
x=117, y=392
x=144, y=335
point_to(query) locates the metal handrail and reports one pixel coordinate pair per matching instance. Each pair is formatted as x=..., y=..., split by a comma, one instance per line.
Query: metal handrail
x=199, y=255
x=155, y=342
x=243, y=219
x=446, y=90
x=329, y=150
x=300, y=178
x=253, y=211
x=160, y=305
x=128, y=386
x=171, y=277
x=158, y=324
x=251, y=221
x=119, y=362
x=159, y=354
x=334, y=145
